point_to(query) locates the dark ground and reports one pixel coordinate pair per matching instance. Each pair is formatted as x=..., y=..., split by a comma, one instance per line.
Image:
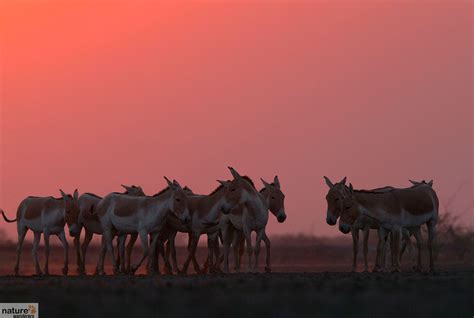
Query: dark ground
x=325, y=294
x=311, y=278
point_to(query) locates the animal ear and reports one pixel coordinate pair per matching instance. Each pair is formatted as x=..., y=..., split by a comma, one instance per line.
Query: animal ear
x=235, y=174
x=328, y=182
x=265, y=183
x=413, y=182
x=76, y=195
x=170, y=184
x=430, y=182
x=177, y=185
x=125, y=187
x=343, y=181
x=276, y=182
x=351, y=189
x=223, y=183
x=63, y=194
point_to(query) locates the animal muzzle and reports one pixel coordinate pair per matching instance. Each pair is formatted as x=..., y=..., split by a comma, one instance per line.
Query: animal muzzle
x=186, y=217
x=281, y=217
x=226, y=209
x=331, y=219
x=73, y=230
x=344, y=228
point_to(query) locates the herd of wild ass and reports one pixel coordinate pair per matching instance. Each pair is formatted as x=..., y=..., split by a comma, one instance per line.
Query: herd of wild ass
x=228, y=216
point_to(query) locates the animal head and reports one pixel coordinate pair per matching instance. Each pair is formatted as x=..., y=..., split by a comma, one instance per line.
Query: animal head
x=178, y=201
x=237, y=191
x=334, y=198
x=71, y=211
x=133, y=190
x=275, y=199
x=417, y=183
x=349, y=211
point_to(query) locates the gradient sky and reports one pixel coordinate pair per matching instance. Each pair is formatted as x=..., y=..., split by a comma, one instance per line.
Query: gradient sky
x=98, y=93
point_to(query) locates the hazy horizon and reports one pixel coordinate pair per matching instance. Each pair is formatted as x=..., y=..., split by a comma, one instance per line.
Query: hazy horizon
x=94, y=95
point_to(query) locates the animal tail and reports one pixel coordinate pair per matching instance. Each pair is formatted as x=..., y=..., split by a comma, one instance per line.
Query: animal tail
x=5, y=217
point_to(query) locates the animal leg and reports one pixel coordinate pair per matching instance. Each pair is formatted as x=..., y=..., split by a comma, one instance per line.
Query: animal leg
x=21, y=237
x=355, y=248
x=62, y=237
x=121, y=250
x=395, y=249
x=431, y=240
x=144, y=240
x=153, y=258
x=419, y=244
x=268, y=267
x=192, y=251
x=77, y=247
x=34, y=252
x=171, y=247
x=99, y=270
x=248, y=240
x=366, y=247
x=380, y=250
x=227, y=234
x=87, y=239
x=258, y=241
x=46, y=253
x=131, y=243
x=107, y=234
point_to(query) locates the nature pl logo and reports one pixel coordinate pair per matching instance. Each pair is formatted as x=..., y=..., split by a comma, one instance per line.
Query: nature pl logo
x=19, y=310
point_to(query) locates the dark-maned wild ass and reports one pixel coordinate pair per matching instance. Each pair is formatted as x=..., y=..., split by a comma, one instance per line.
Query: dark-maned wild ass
x=89, y=220
x=145, y=215
x=46, y=215
x=206, y=211
x=237, y=226
x=334, y=198
x=393, y=210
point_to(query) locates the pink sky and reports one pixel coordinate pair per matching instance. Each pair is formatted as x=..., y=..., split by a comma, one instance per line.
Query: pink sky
x=98, y=93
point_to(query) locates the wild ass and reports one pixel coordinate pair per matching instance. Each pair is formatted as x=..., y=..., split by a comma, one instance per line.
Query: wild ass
x=45, y=215
x=173, y=225
x=144, y=215
x=89, y=220
x=237, y=226
x=334, y=198
x=206, y=213
x=394, y=210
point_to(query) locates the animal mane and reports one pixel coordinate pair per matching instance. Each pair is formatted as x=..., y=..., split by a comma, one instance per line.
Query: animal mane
x=161, y=192
x=264, y=188
x=93, y=195
x=246, y=178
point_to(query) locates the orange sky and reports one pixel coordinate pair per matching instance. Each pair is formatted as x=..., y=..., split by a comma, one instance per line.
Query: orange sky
x=98, y=93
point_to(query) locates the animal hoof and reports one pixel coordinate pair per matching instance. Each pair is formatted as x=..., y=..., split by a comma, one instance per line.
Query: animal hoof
x=268, y=269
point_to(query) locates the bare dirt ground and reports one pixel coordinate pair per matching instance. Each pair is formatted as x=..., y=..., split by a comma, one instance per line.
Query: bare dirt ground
x=325, y=294
x=309, y=280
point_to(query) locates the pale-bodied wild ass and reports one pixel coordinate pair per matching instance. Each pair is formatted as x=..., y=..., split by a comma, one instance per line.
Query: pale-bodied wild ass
x=237, y=226
x=394, y=210
x=207, y=210
x=46, y=215
x=334, y=198
x=89, y=220
x=145, y=215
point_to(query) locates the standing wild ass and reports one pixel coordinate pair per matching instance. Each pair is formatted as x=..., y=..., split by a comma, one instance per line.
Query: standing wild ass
x=89, y=220
x=46, y=215
x=334, y=198
x=394, y=210
x=143, y=215
x=237, y=226
x=206, y=213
